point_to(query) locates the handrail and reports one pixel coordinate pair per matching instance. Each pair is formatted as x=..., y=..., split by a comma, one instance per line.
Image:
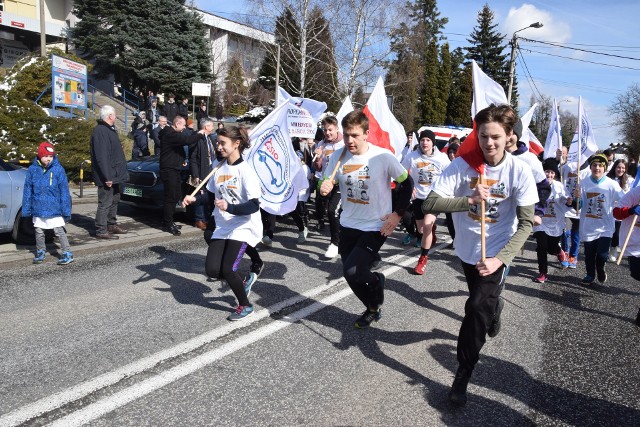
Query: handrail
x=42, y=93
x=127, y=109
x=134, y=100
x=82, y=176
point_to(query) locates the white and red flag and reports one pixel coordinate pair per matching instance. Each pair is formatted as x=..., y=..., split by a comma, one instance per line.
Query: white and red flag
x=345, y=109
x=384, y=129
x=528, y=138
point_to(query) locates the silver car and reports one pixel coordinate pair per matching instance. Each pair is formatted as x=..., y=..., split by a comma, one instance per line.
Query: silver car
x=12, y=179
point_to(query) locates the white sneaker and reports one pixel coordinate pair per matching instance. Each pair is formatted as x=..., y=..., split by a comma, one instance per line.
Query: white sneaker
x=302, y=235
x=266, y=240
x=332, y=251
x=612, y=254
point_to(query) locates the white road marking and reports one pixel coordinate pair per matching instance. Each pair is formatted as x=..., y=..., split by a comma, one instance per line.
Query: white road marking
x=57, y=400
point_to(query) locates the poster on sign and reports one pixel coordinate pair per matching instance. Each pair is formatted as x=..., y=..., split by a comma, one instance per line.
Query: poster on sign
x=68, y=82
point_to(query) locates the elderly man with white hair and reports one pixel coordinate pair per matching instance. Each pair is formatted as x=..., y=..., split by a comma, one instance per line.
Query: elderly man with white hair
x=109, y=173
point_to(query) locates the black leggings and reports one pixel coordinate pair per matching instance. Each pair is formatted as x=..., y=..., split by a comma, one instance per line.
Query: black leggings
x=223, y=259
x=330, y=205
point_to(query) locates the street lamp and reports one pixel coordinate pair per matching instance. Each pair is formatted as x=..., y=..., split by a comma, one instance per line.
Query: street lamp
x=512, y=62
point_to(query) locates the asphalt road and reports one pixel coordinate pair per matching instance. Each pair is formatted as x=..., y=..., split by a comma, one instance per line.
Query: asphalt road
x=136, y=335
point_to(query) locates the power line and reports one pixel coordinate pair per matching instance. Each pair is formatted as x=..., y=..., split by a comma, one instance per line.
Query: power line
x=583, y=60
x=581, y=50
x=527, y=71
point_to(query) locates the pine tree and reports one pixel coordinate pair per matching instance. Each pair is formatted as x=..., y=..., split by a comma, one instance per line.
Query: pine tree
x=460, y=95
x=488, y=47
x=235, y=98
x=322, y=70
x=146, y=44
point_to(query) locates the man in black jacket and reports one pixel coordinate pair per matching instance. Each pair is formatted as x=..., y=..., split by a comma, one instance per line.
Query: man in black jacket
x=201, y=158
x=170, y=109
x=172, y=157
x=109, y=173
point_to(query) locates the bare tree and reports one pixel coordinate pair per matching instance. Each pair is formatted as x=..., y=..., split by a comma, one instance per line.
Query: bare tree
x=626, y=109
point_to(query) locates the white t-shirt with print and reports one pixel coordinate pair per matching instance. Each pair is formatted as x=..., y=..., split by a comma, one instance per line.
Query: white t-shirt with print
x=236, y=184
x=630, y=199
x=328, y=148
x=570, y=181
x=511, y=185
x=425, y=169
x=553, y=219
x=596, y=209
x=365, y=186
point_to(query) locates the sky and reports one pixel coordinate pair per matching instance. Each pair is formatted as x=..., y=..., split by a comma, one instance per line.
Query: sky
x=566, y=74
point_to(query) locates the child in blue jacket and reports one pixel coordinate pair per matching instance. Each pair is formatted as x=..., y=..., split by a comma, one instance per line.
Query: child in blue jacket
x=46, y=198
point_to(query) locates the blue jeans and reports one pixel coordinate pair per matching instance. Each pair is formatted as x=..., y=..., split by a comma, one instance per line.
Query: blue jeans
x=596, y=254
x=574, y=235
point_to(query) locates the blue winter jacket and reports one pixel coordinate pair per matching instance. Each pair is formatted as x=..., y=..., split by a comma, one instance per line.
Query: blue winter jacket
x=46, y=191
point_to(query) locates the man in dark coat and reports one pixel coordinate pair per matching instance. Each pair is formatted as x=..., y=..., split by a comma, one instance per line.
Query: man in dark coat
x=109, y=173
x=201, y=158
x=172, y=157
x=155, y=132
x=170, y=109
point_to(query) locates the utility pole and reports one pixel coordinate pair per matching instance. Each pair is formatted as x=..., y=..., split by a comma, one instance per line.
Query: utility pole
x=43, y=32
x=512, y=61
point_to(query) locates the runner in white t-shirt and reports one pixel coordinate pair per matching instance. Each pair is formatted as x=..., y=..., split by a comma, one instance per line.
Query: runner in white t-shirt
x=571, y=239
x=510, y=194
x=424, y=165
x=551, y=227
x=597, y=197
x=328, y=204
x=236, y=188
x=628, y=211
x=364, y=176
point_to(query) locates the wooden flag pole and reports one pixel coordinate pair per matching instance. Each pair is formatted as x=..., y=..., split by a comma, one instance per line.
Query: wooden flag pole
x=483, y=243
x=335, y=169
x=626, y=241
x=204, y=181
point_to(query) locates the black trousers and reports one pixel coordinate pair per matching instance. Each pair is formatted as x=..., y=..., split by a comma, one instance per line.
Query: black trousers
x=358, y=250
x=222, y=262
x=329, y=205
x=546, y=244
x=172, y=193
x=479, y=311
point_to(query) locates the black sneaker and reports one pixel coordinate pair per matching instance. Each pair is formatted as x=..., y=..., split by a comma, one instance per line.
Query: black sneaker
x=602, y=276
x=256, y=267
x=380, y=288
x=458, y=392
x=494, y=328
x=367, y=318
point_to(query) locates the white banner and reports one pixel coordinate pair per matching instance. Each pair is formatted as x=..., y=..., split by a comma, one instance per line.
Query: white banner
x=303, y=114
x=583, y=141
x=554, y=135
x=485, y=91
x=277, y=165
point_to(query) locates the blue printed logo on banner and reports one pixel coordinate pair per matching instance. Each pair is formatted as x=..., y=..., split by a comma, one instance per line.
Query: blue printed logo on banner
x=272, y=165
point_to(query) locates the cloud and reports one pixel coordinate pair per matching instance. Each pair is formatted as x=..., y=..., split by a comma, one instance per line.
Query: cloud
x=553, y=29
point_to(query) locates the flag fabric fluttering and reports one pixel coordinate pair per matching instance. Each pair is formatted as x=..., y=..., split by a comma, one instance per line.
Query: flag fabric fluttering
x=384, y=129
x=554, y=135
x=345, y=109
x=528, y=138
x=315, y=108
x=303, y=114
x=485, y=92
x=583, y=144
x=277, y=165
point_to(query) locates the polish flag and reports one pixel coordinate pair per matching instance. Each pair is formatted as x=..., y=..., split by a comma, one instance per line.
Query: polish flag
x=384, y=129
x=345, y=109
x=535, y=146
x=485, y=92
x=528, y=138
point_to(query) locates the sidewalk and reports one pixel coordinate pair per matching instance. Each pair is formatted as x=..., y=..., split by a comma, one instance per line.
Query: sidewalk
x=142, y=226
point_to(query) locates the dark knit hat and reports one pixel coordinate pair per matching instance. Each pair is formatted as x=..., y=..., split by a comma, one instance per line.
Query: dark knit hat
x=428, y=134
x=517, y=129
x=551, y=164
x=600, y=158
x=45, y=149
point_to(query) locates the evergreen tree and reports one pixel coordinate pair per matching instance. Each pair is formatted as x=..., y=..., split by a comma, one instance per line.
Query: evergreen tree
x=413, y=76
x=460, y=94
x=235, y=98
x=358, y=99
x=322, y=70
x=146, y=44
x=488, y=47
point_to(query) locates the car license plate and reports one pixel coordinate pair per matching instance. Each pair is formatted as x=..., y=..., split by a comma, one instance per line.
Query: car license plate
x=137, y=192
